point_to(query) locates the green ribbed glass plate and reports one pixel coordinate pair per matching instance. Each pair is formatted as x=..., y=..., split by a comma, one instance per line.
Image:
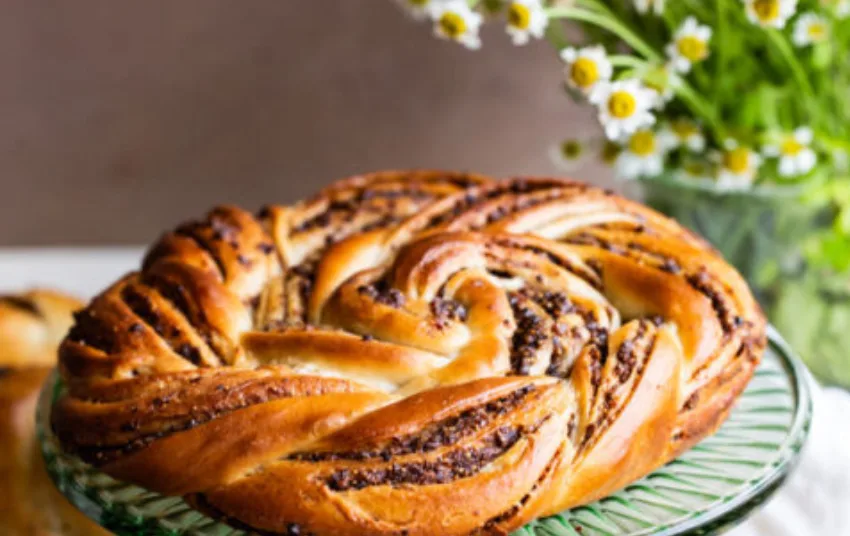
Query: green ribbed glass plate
x=707, y=490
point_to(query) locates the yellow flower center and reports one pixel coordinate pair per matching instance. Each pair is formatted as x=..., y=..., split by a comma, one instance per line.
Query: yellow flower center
x=817, y=31
x=737, y=160
x=452, y=24
x=693, y=48
x=610, y=152
x=790, y=146
x=766, y=10
x=519, y=16
x=694, y=169
x=622, y=104
x=584, y=72
x=571, y=149
x=642, y=143
x=684, y=129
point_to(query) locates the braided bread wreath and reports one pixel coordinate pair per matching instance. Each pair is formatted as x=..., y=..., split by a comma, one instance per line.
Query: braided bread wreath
x=32, y=324
x=409, y=353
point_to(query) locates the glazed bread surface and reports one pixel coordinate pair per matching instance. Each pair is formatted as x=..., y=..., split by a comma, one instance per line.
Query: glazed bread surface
x=409, y=352
x=32, y=324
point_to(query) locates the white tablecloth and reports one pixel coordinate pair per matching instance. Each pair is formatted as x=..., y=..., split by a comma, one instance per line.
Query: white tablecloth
x=815, y=501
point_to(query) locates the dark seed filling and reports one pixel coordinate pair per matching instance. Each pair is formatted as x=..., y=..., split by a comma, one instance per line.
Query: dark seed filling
x=516, y=508
x=441, y=434
x=597, y=361
x=627, y=365
x=457, y=464
x=469, y=201
x=90, y=331
x=691, y=402
x=21, y=303
x=144, y=309
x=305, y=273
x=448, y=310
x=381, y=293
x=701, y=281
x=228, y=400
x=347, y=208
x=179, y=297
x=626, y=355
x=587, y=239
x=665, y=263
x=464, y=203
x=670, y=266
x=381, y=223
x=522, y=203
x=555, y=259
x=197, y=232
x=599, y=337
x=557, y=365
x=594, y=265
x=529, y=337
x=556, y=304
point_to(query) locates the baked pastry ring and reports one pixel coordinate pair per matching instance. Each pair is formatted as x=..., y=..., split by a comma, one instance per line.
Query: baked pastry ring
x=412, y=352
x=32, y=324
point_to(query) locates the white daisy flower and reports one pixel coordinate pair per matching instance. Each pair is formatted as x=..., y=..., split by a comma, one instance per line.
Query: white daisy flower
x=738, y=166
x=689, y=46
x=683, y=132
x=644, y=6
x=569, y=154
x=809, y=29
x=642, y=156
x=796, y=157
x=624, y=107
x=418, y=9
x=770, y=13
x=526, y=18
x=456, y=21
x=586, y=67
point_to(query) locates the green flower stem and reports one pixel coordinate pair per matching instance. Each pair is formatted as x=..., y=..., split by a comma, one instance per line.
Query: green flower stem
x=624, y=60
x=798, y=73
x=557, y=36
x=701, y=108
x=720, y=50
x=608, y=23
x=596, y=5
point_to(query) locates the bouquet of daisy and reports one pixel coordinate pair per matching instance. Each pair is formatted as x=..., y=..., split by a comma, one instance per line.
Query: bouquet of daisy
x=733, y=95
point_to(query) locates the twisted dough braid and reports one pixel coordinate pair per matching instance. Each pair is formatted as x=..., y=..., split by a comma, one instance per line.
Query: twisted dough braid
x=409, y=353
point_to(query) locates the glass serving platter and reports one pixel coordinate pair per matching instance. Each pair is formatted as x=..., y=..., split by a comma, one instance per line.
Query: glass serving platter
x=707, y=490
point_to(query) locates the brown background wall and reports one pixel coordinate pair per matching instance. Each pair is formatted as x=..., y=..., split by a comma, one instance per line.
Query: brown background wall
x=118, y=118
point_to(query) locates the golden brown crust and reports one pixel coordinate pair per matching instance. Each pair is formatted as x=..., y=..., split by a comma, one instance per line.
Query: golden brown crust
x=409, y=352
x=31, y=326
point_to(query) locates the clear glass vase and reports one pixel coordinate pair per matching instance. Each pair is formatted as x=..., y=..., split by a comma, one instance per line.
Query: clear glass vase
x=761, y=232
